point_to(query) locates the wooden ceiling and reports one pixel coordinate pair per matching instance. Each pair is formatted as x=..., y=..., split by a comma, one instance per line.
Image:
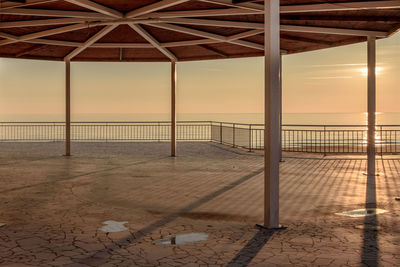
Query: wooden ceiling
x=182, y=30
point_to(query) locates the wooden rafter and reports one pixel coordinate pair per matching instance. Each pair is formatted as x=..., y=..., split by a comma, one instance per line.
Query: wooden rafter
x=97, y=7
x=154, y=42
x=154, y=7
x=45, y=33
x=90, y=41
x=208, y=35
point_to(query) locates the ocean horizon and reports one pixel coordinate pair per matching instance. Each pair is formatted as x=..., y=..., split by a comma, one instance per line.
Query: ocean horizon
x=383, y=118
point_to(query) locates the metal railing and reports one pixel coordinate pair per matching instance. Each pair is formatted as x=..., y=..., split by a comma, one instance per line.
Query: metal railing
x=295, y=138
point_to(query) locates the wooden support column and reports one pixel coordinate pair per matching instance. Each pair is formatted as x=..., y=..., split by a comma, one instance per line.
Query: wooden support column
x=272, y=110
x=173, y=109
x=371, y=151
x=280, y=109
x=67, y=108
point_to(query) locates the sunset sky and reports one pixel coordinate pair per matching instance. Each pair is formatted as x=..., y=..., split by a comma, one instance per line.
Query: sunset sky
x=330, y=80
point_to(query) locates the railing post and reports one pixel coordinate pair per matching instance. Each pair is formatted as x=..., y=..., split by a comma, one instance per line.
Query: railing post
x=233, y=135
x=220, y=132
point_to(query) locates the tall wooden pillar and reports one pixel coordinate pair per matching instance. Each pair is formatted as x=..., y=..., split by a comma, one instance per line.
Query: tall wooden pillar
x=67, y=108
x=371, y=151
x=272, y=110
x=173, y=109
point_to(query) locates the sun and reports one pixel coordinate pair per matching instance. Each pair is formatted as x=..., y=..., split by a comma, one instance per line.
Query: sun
x=364, y=71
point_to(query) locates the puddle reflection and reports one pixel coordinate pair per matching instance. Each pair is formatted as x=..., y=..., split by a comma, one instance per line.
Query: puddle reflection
x=182, y=239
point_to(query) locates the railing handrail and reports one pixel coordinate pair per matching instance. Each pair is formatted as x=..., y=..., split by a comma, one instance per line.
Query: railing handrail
x=186, y=121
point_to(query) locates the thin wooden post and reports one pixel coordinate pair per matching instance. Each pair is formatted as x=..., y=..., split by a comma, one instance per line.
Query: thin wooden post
x=173, y=109
x=67, y=108
x=280, y=108
x=371, y=104
x=271, y=131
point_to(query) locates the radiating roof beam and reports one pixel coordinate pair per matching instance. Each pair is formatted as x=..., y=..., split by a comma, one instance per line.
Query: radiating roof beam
x=153, y=7
x=8, y=36
x=90, y=41
x=40, y=22
x=201, y=13
x=216, y=23
x=251, y=6
x=53, y=13
x=31, y=49
x=207, y=35
x=7, y=5
x=245, y=34
x=153, y=41
x=97, y=7
x=340, y=31
x=45, y=33
x=342, y=6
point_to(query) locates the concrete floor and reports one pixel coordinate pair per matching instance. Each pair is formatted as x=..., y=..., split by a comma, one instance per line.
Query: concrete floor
x=53, y=207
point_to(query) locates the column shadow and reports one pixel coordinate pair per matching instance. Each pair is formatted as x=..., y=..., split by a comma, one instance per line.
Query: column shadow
x=98, y=257
x=252, y=248
x=370, y=248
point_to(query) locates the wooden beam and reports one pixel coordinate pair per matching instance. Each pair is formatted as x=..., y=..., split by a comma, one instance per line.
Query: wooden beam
x=341, y=17
x=207, y=35
x=245, y=34
x=67, y=108
x=371, y=142
x=201, y=13
x=8, y=36
x=90, y=41
x=271, y=124
x=214, y=50
x=97, y=7
x=342, y=6
x=53, y=13
x=31, y=49
x=40, y=22
x=153, y=41
x=339, y=31
x=154, y=7
x=250, y=6
x=45, y=33
x=216, y=23
x=173, y=108
x=8, y=5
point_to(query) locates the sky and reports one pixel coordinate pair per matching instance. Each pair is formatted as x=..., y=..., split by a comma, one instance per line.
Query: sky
x=329, y=80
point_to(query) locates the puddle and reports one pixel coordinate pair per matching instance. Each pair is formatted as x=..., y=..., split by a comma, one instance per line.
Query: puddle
x=368, y=227
x=362, y=212
x=397, y=198
x=182, y=239
x=113, y=227
x=2, y=224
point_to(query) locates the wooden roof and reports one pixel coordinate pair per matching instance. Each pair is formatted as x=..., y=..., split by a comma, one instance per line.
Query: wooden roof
x=182, y=30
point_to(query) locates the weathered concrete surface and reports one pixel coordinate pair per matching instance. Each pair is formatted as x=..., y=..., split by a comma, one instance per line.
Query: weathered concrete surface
x=54, y=207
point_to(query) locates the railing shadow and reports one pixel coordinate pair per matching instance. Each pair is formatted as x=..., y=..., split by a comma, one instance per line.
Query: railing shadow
x=370, y=248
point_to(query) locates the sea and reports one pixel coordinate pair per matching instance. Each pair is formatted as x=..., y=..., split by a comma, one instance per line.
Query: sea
x=383, y=118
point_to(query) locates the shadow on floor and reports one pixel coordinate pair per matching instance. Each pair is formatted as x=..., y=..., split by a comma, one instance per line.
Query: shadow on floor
x=98, y=258
x=251, y=249
x=370, y=248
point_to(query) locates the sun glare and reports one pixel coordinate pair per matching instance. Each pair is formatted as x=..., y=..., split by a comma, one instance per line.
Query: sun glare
x=364, y=71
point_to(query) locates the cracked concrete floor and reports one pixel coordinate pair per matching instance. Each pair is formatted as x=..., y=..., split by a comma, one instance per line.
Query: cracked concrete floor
x=54, y=206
